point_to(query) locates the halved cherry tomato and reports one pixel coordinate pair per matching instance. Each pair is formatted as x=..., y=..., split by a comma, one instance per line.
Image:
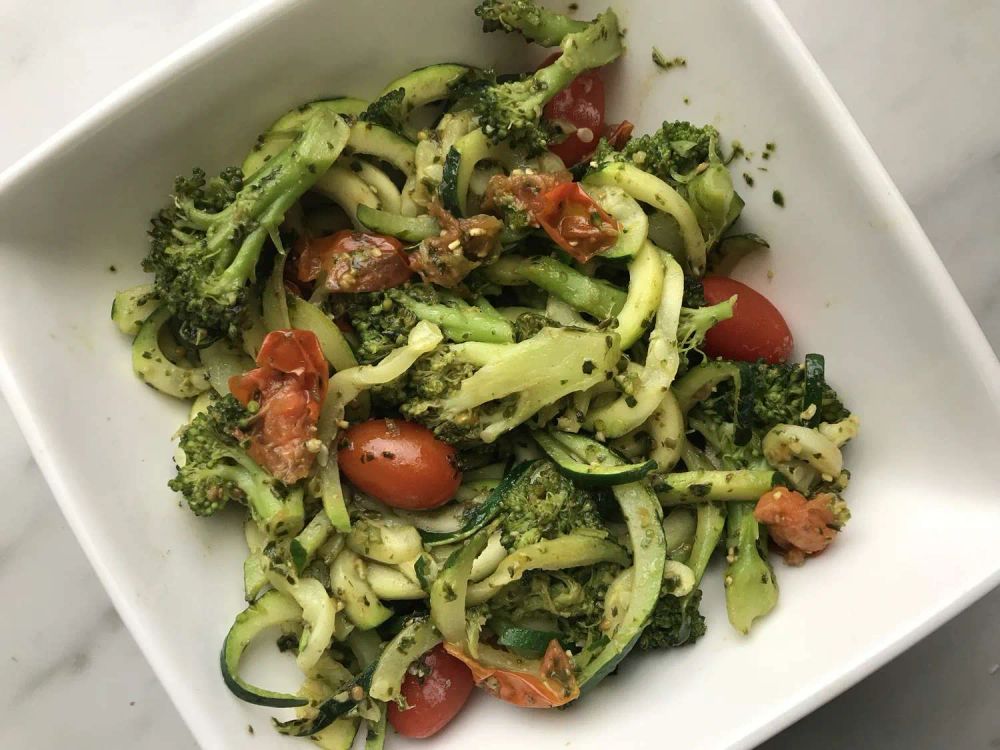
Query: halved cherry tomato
x=400, y=463
x=289, y=386
x=554, y=685
x=433, y=698
x=575, y=222
x=578, y=109
x=353, y=261
x=756, y=331
x=799, y=526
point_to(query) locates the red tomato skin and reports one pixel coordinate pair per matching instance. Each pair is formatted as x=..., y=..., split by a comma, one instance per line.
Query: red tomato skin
x=566, y=214
x=353, y=261
x=433, y=700
x=756, y=331
x=400, y=463
x=581, y=104
x=290, y=383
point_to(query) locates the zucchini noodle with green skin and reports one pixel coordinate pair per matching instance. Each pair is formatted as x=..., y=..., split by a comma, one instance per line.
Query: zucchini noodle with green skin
x=461, y=372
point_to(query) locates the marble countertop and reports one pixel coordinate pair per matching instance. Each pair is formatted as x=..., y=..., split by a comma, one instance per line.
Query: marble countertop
x=922, y=81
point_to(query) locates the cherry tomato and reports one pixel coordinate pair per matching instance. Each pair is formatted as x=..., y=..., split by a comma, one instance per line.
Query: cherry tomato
x=799, y=526
x=353, y=261
x=434, y=698
x=289, y=386
x=554, y=684
x=575, y=222
x=578, y=109
x=400, y=463
x=756, y=330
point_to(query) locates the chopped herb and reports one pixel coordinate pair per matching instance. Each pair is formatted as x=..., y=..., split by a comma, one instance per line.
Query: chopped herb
x=748, y=179
x=778, y=197
x=112, y=269
x=687, y=100
x=662, y=62
x=574, y=6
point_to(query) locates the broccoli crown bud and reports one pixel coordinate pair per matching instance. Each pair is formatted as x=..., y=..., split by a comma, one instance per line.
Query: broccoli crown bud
x=536, y=23
x=179, y=253
x=512, y=111
x=529, y=323
x=380, y=323
x=673, y=153
x=205, y=246
x=387, y=110
x=676, y=621
x=217, y=469
x=575, y=597
x=779, y=396
x=546, y=505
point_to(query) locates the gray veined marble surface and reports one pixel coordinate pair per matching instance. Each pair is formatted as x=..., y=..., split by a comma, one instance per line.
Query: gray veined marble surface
x=922, y=77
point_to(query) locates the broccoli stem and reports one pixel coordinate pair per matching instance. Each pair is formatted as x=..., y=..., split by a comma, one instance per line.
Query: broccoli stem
x=276, y=516
x=687, y=487
x=266, y=197
x=751, y=590
x=696, y=322
x=594, y=45
x=512, y=111
x=461, y=321
x=593, y=296
x=711, y=523
x=711, y=519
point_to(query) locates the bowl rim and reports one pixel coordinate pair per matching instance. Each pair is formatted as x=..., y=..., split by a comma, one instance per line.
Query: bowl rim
x=874, y=179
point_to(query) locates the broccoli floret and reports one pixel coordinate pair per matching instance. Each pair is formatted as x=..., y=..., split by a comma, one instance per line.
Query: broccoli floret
x=528, y=324
x=512, y=111
x=475, y=392
x=387, y=110
x=687, y=157
x=537, y=24
x=217, y=470
x=779, y=396
x=380, y=323
x=458, y=319
x=751, y=589
x=673, y=153
x=695, y=322
x=712, y=419
x=430, y=378
x=676, y=621
x=206, y=245
x=427, y=384
x=383, y=320
x=544, y=505
x=574, y=597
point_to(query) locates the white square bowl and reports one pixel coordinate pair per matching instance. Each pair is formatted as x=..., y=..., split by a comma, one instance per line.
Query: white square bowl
x=853, y=273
